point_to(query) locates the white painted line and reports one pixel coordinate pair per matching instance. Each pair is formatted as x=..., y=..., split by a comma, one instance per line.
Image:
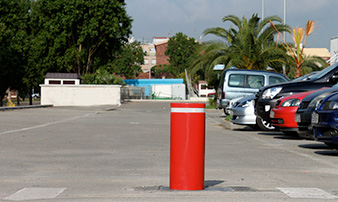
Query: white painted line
x=43, y=125
x=188, y=110
x=310, y=193
x=35, y=193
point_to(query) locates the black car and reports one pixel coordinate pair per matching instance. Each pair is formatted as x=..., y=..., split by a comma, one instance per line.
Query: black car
x=267, y=96
x=305, y=109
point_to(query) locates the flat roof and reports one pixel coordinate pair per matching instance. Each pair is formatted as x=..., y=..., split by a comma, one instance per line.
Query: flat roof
x=50, y=75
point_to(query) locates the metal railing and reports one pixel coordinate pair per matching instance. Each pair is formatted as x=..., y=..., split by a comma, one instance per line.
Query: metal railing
x=132, y=92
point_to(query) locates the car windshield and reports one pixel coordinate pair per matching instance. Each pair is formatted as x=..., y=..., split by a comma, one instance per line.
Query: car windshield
x=324, y=71
x=306, y=77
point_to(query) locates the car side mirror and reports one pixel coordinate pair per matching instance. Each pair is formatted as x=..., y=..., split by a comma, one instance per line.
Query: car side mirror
x=334, y=78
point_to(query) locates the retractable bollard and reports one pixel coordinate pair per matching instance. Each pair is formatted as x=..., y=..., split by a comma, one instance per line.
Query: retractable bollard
x=187, y=146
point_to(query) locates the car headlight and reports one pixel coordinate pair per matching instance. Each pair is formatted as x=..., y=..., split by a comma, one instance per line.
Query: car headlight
x=291, y=103
x=271, y=92
x=246, y=103
x=332, y=105
x=317, y=100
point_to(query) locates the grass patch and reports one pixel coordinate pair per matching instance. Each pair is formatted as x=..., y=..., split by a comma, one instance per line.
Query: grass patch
x=228, y=118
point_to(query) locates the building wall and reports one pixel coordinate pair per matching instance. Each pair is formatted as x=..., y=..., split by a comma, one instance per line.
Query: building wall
x=334, y=49
x=161, y=58
x=80, y=95
x=149, y=58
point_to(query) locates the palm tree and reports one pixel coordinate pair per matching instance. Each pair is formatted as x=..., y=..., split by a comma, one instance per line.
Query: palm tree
x=248, y=45
x=301, y=64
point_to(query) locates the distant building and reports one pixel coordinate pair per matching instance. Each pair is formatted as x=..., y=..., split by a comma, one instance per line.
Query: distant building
x=149, y=58
x=161, y=58
x=160, y=39
x=320, y=52
x=154, y=55
x=334, y=49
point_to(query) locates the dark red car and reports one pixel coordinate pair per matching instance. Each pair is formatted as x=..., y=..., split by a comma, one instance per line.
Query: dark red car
x=283, y=114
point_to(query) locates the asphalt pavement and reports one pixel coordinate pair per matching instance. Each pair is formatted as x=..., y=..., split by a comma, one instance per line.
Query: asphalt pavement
x=121, y=153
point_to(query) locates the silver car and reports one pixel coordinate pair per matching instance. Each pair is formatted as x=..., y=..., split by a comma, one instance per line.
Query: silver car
x=243, y=113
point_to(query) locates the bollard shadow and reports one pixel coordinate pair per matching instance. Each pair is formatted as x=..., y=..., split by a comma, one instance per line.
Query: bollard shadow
x=327, y=153
x=210, y=183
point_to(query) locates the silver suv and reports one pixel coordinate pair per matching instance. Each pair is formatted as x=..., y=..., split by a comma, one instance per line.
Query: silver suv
x=236, y=83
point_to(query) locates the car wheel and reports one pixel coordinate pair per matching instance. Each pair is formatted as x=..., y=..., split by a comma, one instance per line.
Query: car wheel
x=264, y=125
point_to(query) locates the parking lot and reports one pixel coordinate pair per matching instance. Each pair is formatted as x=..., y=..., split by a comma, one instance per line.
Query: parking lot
x=112, y=153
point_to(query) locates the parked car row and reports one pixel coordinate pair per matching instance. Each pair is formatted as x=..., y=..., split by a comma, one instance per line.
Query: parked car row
x=307, y=107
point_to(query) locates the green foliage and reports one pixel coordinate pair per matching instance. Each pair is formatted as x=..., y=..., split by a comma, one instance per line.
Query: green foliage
x=73, y=35
x=309, y=64
x=128, y=61
x=180, y=50
x=248, y=45
x=101, y=76
x=13, y=36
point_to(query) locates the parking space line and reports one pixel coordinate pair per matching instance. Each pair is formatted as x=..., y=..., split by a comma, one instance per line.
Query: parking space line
x=35, y=194
x=43, y=125
x=310, y=193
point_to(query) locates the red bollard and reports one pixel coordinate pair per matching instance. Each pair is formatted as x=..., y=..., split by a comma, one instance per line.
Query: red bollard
x=187, y=146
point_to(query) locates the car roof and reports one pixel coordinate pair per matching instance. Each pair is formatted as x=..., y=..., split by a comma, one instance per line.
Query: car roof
x=257, y=71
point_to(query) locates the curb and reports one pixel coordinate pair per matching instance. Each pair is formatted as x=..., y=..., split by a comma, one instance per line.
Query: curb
x=24, y=107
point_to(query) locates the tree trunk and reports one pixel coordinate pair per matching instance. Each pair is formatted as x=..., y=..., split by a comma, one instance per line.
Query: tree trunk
x=1, y=98
x=89, y=64
x=30, y=96
x=79, y=60
x=298, y=71
x=17, y=98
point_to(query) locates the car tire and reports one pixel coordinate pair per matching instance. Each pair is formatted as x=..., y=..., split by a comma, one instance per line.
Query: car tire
x=263, y=125
x=225, y=111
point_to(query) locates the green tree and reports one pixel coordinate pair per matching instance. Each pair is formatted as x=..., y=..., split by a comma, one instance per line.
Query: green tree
x=180, y=50
x=77, y=35
x=247, y=44
x=14, y=19
x=127, y=62
x=101, y=76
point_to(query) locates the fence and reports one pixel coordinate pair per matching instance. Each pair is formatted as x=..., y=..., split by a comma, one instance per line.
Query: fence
x=132, y=92
x=174, y=91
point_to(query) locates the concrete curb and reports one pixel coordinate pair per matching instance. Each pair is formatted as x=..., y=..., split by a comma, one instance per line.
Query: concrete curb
x=151, y=100
x=24, y=107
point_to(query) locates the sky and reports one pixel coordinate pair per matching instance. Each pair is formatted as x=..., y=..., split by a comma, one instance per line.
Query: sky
x=165, y=18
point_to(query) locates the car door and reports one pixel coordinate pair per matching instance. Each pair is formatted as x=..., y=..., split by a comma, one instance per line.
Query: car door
x=235, y=86
x=253, y=83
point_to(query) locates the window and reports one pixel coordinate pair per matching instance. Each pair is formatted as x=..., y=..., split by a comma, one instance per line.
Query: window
x=68, y=82
x=255, y=81
x=203, y=86
x=274, y=80
x=153, y=62
x=54, y=82
x=146, y=62
x=236, y=80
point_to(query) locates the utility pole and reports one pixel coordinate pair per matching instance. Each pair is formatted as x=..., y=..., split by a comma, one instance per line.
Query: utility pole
x=284, y=22
x=262, y=9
